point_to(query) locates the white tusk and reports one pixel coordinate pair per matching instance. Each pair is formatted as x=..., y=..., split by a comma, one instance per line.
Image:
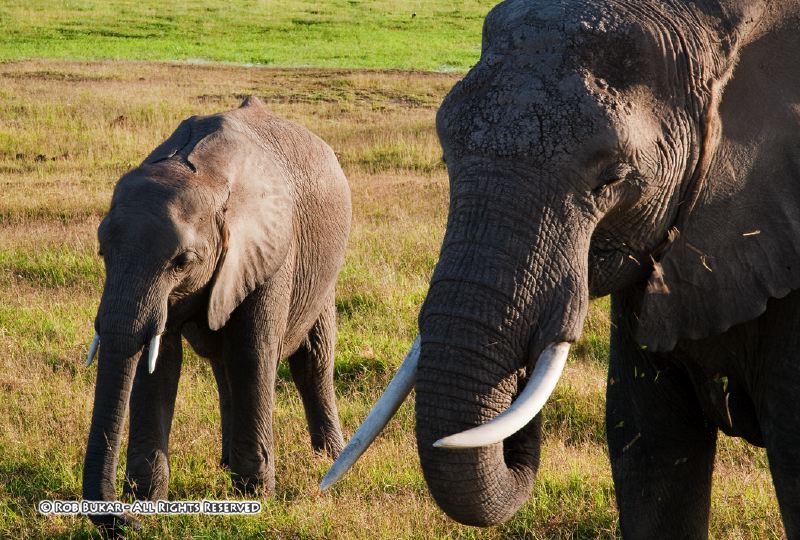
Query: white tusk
x=527, y=405
x=152, y=354
x=394, y=395
x=92, y=350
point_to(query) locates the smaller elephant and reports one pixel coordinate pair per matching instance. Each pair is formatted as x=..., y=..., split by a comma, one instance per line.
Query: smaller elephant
x=231, y=233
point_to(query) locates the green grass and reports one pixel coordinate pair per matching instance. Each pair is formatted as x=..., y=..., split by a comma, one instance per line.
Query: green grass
x=408, y=34
x=49, y=266
x=73, y=128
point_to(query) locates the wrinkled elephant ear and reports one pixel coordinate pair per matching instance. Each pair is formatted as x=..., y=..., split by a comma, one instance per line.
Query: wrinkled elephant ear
x=257, y=216
x=740, y=244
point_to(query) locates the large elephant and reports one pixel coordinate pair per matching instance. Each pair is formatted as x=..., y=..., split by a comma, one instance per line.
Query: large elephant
x=232, y=233
x=646, y=149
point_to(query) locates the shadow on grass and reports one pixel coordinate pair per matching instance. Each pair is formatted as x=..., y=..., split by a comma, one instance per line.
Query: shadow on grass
x=27, y=483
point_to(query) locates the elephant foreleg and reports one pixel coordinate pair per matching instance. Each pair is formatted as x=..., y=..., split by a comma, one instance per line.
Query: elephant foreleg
x=776, y=397
x=784, y=463
x=661, y=448
x=312, y=372
x=152, y=405
x=252, y=348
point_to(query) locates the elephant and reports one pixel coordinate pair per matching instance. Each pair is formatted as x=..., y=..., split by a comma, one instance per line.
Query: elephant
x=645, y=150
x=231, y=233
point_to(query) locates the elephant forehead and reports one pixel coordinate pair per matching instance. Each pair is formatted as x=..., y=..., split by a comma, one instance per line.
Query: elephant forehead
x=129, y=226
x=508, y=111
x=619, y=44
x=145, y=209
x=521, y=23
x=554, y=79
x=559, y=14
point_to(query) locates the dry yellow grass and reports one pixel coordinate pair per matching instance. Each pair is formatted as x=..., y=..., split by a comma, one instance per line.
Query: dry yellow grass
x=68, y=130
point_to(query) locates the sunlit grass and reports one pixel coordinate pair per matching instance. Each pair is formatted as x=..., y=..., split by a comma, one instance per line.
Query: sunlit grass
x=419, y=34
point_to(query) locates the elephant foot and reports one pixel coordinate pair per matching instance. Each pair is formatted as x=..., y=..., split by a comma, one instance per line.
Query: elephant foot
x=147, y=479
x=144, y=490
x=253, y=471
x=330, y=444
x=258, y=486
x=113, y=526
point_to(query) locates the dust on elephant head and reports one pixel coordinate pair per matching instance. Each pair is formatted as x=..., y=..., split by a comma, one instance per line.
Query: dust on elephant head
x=599, y=147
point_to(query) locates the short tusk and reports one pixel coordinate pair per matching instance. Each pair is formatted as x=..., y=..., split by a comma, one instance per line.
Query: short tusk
x=152, y=354
x=92, y=350
x=541, y=384
x=394, y=395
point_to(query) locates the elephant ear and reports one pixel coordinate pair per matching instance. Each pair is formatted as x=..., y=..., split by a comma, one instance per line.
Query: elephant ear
x=257, y=218
x=739, y=243
x=174, y=144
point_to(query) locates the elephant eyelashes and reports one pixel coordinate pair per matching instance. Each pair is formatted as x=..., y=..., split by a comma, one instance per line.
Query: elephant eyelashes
x=614, y=174
x=183, y=260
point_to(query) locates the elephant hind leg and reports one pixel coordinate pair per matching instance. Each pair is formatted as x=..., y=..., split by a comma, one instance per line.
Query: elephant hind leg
x=224, y=391
x=312, y=371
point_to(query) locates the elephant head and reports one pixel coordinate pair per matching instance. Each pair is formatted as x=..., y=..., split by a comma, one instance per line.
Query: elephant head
x=595, y=147
x=204, y=220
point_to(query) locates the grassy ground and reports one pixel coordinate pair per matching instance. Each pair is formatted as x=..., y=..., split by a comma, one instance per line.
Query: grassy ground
x=418, y=34
x=70, y=129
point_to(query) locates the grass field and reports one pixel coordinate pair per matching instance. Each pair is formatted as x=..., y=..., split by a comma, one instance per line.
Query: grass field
x=418, y=34
x=69, y=129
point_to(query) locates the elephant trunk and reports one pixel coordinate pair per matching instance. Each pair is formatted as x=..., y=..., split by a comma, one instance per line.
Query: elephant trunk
x=467, y=376
x=125, y=324
x=115, y=375
x=475, y=486
x=503, y=291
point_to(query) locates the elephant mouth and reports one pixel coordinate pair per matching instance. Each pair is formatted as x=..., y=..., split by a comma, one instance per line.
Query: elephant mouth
x=528, y=404
x=152, y=351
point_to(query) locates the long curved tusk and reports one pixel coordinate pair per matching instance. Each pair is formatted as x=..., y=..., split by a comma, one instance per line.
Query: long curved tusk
x=394, y=395
x=92, y=350
x=538, y=389
x=152, y=354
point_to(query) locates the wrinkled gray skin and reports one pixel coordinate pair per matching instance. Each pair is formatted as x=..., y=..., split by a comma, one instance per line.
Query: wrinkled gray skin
x=232, y=233
x=646, y=149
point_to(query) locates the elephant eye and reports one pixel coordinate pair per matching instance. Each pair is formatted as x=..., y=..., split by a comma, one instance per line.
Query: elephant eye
x=612, y=175
x=184, y=259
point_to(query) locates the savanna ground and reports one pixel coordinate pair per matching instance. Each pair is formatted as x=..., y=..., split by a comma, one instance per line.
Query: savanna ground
x=68, y=129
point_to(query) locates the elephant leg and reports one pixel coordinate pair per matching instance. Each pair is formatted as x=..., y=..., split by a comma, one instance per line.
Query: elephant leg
x=224, y=390
x=252, y=347
x=784, y=463
x=312, y=372
x=152, y=405
x=779, y=410
x=660, y=446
